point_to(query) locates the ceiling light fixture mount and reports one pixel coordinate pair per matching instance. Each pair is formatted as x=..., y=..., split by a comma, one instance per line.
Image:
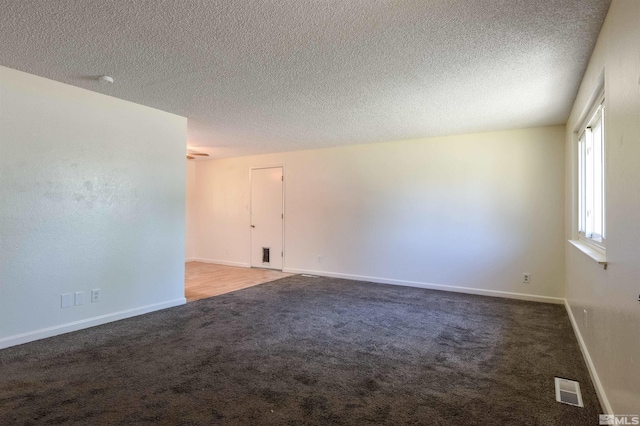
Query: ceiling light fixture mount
x=105, y=79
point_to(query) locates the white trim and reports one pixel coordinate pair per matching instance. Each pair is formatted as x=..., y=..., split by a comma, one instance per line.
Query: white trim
x=190, y=259
x=43, y=333
x=602, y=396
x=222, y=262
x=443, y=287
x=591, y=250
x=594, y=113
x=596, y=94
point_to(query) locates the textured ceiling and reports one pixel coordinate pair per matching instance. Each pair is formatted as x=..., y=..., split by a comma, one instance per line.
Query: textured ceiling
x=278, y=75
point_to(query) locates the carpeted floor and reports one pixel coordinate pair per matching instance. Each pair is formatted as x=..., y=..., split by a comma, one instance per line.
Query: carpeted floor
x=307, y=351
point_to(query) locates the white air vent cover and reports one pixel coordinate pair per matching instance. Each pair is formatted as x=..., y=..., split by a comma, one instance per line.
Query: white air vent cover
x=568, y=392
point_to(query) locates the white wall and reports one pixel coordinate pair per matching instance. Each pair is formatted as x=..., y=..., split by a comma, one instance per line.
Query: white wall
x=190, y=211
x=92, y=190
x=610, y=297
x=473, y=211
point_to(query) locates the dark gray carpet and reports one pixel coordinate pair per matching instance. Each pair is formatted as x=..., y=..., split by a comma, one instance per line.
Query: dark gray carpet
x=307, y=351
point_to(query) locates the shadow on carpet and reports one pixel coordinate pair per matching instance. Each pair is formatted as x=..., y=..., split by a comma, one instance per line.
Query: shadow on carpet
x=307, y=351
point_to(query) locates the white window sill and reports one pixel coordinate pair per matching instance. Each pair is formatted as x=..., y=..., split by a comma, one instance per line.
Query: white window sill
x=597, y=255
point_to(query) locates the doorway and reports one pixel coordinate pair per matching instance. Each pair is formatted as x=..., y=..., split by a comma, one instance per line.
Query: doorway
x=267, y=217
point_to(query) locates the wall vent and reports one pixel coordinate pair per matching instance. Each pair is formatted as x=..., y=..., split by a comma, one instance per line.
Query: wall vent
x=568, y=392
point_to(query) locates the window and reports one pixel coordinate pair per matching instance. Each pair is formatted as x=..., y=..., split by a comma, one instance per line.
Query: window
x=591, y=176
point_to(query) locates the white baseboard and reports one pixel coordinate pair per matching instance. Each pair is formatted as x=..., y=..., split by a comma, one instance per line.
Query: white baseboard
x=43, y=333
x=190, y=259
x=602, y=396
x=457, y=289
x=221, y=262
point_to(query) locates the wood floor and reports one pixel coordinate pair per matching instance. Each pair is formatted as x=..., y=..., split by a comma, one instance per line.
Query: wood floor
x=207, y=279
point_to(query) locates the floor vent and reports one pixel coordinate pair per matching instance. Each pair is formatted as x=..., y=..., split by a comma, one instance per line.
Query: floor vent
x=568, y=392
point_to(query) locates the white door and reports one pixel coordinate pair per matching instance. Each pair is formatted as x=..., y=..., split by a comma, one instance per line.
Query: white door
x=266, y=218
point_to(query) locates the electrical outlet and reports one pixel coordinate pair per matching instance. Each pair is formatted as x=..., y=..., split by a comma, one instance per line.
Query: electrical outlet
x=95, y=295
x=79, y=298
x=584, y=318
x=65, y=300
x=319, y=259
x=526, y=278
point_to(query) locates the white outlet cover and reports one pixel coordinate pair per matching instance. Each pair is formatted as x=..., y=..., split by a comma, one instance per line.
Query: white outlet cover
x=65, y=300
x=79, y=298
x=95, y=295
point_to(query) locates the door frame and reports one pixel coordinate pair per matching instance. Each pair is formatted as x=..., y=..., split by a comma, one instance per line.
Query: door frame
x=251, y=169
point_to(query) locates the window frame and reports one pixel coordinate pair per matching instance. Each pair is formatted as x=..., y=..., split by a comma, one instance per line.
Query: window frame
x=592, y=161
